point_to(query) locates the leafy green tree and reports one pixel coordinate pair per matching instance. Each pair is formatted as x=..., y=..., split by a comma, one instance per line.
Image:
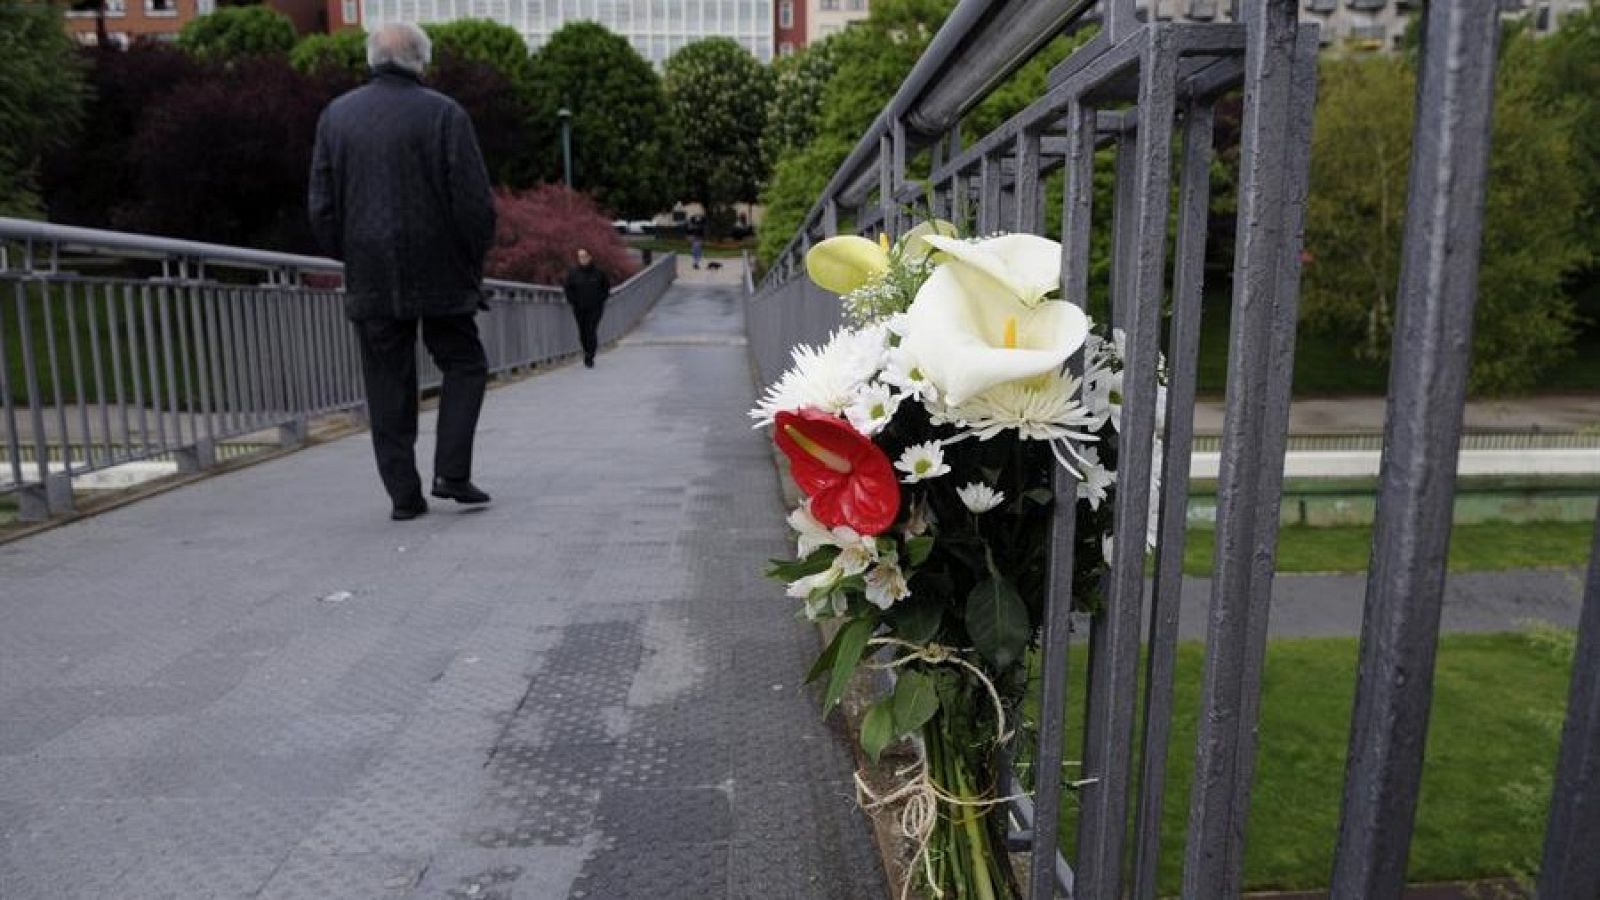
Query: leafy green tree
x=1355, y=218
x=873, y=57
x=718, y=94
x=343, y=52
x=796, y=106
x=235, y=32
x=41, y=98
x=623, y=147
x=481, y=40
x=1569, y=76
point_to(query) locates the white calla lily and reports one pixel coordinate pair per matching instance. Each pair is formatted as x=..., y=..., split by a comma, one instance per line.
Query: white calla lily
x=980, y=320
x=842, y=264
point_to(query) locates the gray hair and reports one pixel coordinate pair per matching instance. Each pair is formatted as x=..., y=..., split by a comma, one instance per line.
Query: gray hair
x=401, y=44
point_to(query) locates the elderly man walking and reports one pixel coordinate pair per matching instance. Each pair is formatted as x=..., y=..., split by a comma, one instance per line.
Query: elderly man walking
x=400, y=193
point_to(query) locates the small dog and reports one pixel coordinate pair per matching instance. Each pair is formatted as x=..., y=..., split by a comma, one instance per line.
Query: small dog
x=713, y=265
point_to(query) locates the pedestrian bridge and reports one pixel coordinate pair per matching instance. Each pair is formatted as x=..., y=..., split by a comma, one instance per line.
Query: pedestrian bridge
x=256, y=685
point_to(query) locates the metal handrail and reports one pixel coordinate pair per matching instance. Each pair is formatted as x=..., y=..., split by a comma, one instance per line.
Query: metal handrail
x=99, y=371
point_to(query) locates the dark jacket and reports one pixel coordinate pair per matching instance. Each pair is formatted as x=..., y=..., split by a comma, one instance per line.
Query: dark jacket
x=399, y=192
x=586, y=286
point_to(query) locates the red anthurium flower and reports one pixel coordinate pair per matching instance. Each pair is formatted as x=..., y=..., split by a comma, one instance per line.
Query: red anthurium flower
x=849, y=480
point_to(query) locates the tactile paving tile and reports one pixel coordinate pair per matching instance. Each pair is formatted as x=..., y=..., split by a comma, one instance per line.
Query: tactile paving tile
x=642, y=761
x=194, y=878
x=764, y=871
x=308, y=875
x=604, y=650
x=653, y=816
x=668, y=872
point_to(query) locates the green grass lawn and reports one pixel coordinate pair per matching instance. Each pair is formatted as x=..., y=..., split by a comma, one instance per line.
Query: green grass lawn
x=1492, y=743
x=1474, y=547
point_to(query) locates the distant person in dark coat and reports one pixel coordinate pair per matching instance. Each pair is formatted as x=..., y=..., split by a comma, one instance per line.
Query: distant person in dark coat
x=587, y=289
x=400, y=193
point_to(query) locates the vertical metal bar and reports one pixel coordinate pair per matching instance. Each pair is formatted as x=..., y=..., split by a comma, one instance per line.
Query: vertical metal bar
x=47, y=313
x=1028, y=189
x=959, y=202
x=30, y=380
x=170, y=364
x=1125, y=204
x=1076, y=210
x=115, y=336
x=886, y=182
x=8, y=406
x=989, y=178
x=188, y=344
x=1102, y=826
x=1427, y=390
x=830, y=218
x=152, y=358
x=96, y=360
x=1119, y=19
x=199, y=310
x=1278, y=77
x=1183, y=359
x=1571, y=867
x=77, y=372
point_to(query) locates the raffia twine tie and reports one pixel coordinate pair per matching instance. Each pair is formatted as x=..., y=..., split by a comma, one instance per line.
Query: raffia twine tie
x=921, y=796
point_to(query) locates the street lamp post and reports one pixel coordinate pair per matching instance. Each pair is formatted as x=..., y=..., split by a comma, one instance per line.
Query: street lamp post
x=566, y=144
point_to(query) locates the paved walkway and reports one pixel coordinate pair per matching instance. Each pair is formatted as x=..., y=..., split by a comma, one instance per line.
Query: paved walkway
x=258, y=686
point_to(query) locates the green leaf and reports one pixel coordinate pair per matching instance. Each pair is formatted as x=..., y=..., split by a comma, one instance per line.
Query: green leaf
x=825, y=661
x=915, y=702
x=852, y=641
x=794, y=570
x=916, y=621
x=917, y=549
x=1041, y=496
x=997, y=621
x=877, y=728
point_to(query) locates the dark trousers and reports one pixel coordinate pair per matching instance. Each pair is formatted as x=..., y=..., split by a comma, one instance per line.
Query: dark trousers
x=588, y=316
x=389, y=362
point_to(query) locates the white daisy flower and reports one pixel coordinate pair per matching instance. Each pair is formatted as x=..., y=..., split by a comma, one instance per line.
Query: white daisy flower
x=826, y=378
x=886, y=584
x=922, y=462
x=875, y=405
x=979, y=498
x=901, y=371
x=1096, y=477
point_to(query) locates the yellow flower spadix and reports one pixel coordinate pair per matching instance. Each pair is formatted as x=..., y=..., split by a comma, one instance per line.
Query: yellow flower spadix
x=883, y=241
x=822, y=454
x=1011, y=333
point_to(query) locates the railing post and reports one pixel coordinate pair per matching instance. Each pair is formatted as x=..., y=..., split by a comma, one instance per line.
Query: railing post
x=1571, y=866
x=1427, y=390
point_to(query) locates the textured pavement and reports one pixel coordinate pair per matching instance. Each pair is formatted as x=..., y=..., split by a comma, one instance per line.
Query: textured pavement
x=259, y=686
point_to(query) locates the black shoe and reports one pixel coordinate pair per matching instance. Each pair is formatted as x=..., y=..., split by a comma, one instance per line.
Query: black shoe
x=459, y=490
x=588, y=362
x=405, y=512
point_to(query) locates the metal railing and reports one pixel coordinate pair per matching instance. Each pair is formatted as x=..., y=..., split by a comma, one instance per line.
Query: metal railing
x=217, y=344
x=1145, y=91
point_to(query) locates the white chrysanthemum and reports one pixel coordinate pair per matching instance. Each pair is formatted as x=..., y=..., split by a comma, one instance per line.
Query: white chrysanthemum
x=901, y=371
x=979, y=498
x=875, y=405
x=886, y=584
x=826, y=378
x=1096, y=477
x=1037, y=409
x=922, y=462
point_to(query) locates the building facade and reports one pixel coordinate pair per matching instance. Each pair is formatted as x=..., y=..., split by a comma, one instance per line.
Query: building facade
x=789, y=26
x=825, y=17
x=655, y=28
x=131, y=20
x=1362, y=25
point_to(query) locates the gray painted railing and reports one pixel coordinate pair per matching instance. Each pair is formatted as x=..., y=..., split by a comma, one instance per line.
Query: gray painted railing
x=1146, y=90
x=98, y=371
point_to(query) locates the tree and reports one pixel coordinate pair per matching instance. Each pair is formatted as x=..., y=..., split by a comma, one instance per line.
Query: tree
x=623, y=149
x=796, y=106
x=872, y=58
x=491, y=43
x=236, y=32
x=1569, y=76
x=718, y=94
x=344, y=52
x=1355, y=216
x=498, y=116
x=41, y=98
x=92, y=179
x=538, y=233
x=226, y=158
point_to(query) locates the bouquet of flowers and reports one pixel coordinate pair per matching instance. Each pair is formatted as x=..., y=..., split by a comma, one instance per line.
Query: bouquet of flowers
x=923, y=437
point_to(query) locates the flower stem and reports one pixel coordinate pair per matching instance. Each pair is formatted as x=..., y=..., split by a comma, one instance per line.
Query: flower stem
x=977, y=840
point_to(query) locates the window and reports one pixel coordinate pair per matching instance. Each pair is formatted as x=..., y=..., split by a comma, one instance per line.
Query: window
x=1367, y=4
x=352, y=11
x=1322, y=7
x=1203, y=10
x=856, y=5
x=830, y=4
x=160, y=8
x=786, y=14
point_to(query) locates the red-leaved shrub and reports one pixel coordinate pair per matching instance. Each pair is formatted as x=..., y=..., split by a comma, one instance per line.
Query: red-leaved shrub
x=540, y=231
